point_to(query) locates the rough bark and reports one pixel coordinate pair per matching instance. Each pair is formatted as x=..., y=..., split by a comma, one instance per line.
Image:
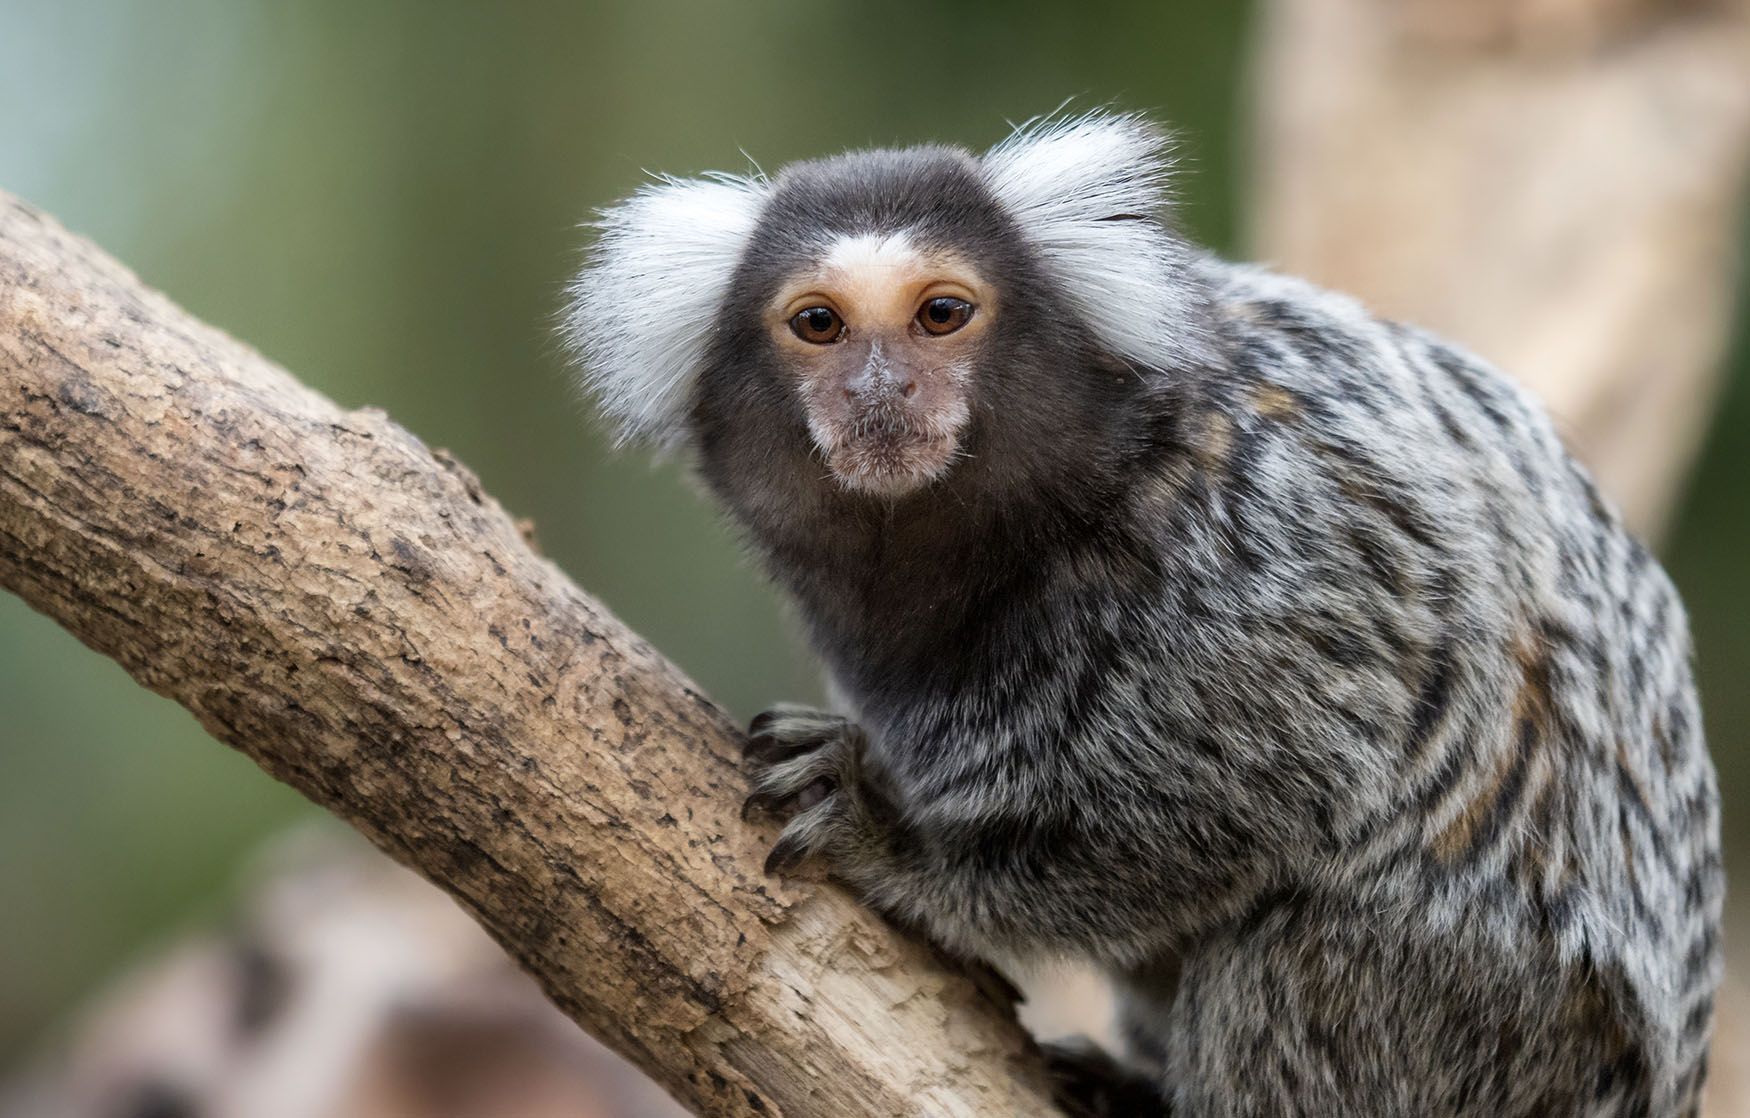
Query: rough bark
x=349, y=609
x=1556, y=184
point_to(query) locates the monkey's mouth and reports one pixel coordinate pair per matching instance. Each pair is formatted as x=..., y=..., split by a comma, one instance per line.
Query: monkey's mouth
x=890, y=464
x=888, y=453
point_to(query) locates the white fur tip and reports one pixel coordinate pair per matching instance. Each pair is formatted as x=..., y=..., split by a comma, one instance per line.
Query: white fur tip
x=1090, y=193
x=640, y=313
x=1116, y=161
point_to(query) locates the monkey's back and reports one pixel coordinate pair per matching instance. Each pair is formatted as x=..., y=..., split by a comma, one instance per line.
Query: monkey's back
x=1546, y=792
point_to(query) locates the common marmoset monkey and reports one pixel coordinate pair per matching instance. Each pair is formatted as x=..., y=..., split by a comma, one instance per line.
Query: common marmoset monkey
x=1190, y=621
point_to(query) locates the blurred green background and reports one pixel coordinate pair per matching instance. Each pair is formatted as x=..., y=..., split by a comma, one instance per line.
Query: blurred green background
x=384, y=195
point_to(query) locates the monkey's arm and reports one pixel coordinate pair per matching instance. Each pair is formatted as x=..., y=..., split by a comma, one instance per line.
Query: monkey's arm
x=1035, y=860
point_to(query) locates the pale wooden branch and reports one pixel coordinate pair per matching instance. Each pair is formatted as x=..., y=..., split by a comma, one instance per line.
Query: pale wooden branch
x=1556, y=184
x=355, y=614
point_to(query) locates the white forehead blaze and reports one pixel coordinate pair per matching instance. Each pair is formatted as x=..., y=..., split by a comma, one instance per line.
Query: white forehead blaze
x=871, y=277
x=871, y=254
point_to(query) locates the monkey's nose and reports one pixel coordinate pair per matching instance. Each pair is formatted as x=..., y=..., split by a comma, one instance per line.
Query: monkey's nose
x=877, y=381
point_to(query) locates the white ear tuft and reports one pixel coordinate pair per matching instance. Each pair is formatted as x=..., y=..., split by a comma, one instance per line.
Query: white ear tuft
x=641, y=311
x=1090, y=194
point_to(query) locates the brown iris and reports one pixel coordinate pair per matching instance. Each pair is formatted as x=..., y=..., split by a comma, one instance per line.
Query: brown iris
x=944, y=315
x=819, y=325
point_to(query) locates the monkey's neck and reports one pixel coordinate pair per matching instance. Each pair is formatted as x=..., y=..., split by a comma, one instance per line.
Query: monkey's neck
x=930, y=588
x=911, y=596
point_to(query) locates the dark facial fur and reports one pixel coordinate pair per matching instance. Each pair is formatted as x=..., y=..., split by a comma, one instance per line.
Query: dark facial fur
x=1274, y=658
x=748, y=409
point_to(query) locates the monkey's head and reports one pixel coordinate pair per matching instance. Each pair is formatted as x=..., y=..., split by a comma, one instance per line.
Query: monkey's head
x=879, y=322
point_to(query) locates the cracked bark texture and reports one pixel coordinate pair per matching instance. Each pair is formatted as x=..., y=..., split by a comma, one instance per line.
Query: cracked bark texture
x=350, y=609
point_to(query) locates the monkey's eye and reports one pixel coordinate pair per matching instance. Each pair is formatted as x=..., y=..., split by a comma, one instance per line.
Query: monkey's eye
x=819, y=325
x=944, y=315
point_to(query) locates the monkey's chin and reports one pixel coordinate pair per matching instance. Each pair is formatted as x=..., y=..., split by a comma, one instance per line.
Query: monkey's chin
x=890, y=467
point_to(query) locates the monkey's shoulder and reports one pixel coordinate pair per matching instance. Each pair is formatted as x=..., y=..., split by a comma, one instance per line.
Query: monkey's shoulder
x=1309, y=384
x=1294, y=352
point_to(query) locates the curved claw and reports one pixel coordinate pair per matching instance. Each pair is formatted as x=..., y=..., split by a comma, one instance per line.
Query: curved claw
x=770, y=749
x=753, y=741
x=761, y=803
x=787, y=853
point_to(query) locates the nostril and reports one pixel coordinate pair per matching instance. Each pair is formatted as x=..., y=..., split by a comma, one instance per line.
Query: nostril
x=911, y=386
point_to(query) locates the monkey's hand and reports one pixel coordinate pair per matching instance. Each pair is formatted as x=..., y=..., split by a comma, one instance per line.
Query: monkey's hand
x=808, y=766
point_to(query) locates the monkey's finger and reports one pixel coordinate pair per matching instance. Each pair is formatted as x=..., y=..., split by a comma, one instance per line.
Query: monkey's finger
x=810, y=832
x=763, y=803
x=793, y=723
x=789, y=777
x=781, y=801
x=771, y=749
x=786, y=712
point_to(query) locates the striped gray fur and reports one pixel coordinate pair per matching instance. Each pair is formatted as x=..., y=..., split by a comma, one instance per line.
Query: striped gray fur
x=1290, y=671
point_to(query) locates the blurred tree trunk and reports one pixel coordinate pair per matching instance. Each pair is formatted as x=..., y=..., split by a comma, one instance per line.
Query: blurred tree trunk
x=355, y=614
x=1556, y=184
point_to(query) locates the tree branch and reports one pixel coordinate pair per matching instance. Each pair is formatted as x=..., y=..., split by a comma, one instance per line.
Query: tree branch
x=355, y=614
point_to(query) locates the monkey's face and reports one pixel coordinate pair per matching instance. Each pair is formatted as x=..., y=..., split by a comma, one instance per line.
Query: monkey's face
x=878, y=339
x=905, y=327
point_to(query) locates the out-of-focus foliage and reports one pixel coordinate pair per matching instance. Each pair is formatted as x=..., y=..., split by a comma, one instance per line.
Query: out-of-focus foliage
x=383, y=195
